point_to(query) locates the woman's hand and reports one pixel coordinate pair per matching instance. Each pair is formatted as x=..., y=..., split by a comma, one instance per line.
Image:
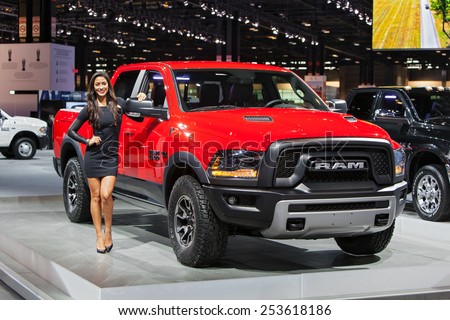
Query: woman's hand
x=141, y=96
x=94, y=140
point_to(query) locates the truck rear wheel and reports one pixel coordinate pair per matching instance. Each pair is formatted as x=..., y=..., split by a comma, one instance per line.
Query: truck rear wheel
x=430, y=193
x=76, y=193
x=198, y=236
x=24, y=148
x=367, y=244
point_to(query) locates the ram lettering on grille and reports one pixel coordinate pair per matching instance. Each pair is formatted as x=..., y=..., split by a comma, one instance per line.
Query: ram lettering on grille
x=350, y=165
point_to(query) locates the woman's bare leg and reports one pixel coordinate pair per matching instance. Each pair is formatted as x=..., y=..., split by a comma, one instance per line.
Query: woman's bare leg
x=96, y=210
x=107, y=186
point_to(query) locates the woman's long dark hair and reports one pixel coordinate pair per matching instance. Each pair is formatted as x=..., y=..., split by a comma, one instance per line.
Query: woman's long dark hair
x=92, y=107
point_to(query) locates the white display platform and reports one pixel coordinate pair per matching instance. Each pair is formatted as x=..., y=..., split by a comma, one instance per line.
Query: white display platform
x=45, y=256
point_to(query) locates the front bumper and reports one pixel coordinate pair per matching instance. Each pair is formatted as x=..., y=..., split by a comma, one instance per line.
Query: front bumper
x=295, y=213
x=42, y=142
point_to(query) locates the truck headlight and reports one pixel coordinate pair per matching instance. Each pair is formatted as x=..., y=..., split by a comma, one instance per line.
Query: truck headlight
x=241, y=164
x=43, y=130
x=400, y=157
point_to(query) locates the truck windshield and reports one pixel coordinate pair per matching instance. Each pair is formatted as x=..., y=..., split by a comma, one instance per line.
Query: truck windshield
x=202, y=90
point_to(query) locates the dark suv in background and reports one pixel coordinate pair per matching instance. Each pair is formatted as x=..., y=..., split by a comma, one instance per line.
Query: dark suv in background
x=419, y=119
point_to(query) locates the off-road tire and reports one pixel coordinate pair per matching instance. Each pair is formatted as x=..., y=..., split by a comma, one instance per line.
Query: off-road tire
x=24, y=148
x=76, y=193
x=367, y=244
x=198, y=237
x=430, y=193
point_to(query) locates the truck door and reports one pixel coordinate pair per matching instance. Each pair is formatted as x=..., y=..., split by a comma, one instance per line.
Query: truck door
x=142, y=138
x=5, y=133
x=390, y=114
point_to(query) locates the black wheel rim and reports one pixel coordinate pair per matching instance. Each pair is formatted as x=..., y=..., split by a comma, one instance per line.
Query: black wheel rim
x=184, y=221
x=71, y=189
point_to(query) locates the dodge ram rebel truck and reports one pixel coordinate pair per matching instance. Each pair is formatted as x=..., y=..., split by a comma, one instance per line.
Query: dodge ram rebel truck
x=240, y=148
x=417, y=118
x=20, y=137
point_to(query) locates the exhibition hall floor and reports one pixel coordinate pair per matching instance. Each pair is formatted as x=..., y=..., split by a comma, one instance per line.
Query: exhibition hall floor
x=45, y=256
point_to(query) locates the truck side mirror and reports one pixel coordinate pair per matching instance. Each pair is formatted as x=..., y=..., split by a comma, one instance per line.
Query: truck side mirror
x=121, y=103
x=145, y=108
x=338, y=105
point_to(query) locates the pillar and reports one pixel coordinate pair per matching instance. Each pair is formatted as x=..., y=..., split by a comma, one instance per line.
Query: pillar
x=37, y=20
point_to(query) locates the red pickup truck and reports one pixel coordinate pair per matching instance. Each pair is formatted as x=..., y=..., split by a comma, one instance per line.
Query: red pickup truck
x=242, y=148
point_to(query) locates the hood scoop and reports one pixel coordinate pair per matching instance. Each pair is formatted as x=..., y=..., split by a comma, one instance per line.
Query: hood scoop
x=350, y=118
x=258, y=118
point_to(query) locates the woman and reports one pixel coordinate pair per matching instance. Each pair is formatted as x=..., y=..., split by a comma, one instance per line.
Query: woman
x=101, y=157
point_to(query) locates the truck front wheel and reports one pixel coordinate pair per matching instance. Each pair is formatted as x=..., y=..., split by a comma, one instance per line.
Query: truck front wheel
x=367, y=244
x=24, y=148
x=430, y=193
x=198, y=237
x=76, y=193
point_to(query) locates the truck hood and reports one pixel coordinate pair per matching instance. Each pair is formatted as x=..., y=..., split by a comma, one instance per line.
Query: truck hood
x=28, y=121
x=269, y=125
x=437, y=127
x=441, y=122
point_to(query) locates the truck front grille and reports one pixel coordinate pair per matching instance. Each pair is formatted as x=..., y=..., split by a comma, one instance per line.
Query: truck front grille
x=293, y=164
x=287, y=162
x=345, y=176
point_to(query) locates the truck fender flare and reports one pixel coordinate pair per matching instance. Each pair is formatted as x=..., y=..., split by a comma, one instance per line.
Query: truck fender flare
x=67, y=144
x=182, y=161
x=435, y=150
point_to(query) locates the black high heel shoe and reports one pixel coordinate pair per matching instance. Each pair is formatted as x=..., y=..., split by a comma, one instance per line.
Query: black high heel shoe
x=103, y=251
x=108, y=248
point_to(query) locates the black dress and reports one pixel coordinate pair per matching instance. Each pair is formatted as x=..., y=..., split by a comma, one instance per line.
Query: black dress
x=99, y=160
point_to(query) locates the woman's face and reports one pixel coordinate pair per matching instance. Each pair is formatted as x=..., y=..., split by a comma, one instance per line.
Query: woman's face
x=101, y=86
